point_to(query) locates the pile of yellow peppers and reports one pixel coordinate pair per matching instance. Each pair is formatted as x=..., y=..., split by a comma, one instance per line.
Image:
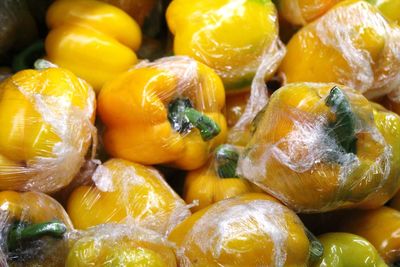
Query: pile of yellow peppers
x=260, y=133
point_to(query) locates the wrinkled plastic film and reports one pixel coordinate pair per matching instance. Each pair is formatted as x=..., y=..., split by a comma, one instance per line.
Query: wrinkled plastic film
x=291, y=151
x=69, y=122
x=30, y=208
x=125, y=192
x=258, y=93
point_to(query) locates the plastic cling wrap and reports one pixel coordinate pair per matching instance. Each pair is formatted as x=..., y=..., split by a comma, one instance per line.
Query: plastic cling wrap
x=165, y=112
x=352, y=44
x=232, y=37
x=319, y=147
x=301, y=12
x=250, y=230
x=46, y=128
x=126, y=192
x=33, y=229
x=119, y=245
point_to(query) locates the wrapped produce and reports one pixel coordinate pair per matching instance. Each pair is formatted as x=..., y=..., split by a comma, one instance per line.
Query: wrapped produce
x=352, y=44
x=238, y=39
x=302, y=12
x=319, y=147
x=235, y=107
x=119, y=245
x=165, y=112
x=344, y=249
x=249, y=230
x=46, y=128
x=93, y=39
x=32, y=230
x=127, y=192
x=379, y=226
x=217, y=180
x=389, y=8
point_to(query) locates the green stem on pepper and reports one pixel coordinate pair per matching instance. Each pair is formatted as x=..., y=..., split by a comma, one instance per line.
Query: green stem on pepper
x=226, y=159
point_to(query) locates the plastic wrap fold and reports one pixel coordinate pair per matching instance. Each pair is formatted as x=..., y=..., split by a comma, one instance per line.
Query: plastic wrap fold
x=319, y=147
x=164, y=112
x=352, y=44
x=46, y=129
x=249, y=230
x=232, y=37
x=33, y=229
x=125, y=192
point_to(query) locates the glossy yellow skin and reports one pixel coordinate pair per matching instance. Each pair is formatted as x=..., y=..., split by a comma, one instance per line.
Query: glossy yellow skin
x=132, y=192
x=219, y=236
x=207, y=187
x=28, y=133
x=310, y=59
x=301, y=12
x=293, y=116
x=134, y=109
x=389, y=8
x=35, y=207
x=228, y=36
x=344, y=249
x=380, y=227
x=93, y=39
x=138, y=9
x=123, y=251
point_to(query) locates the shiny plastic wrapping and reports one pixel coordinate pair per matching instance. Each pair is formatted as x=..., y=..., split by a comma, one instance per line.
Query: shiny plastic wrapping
x=319, y=147
x=249, y=230
x=33, y=229
x=352, y=44
x=125, y=192
x=119, y=245
x=46, y=128
x=164, y=112
x=301, y=12
x=238, y=39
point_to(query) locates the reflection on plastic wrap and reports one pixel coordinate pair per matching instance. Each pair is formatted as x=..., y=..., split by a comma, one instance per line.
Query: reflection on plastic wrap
x=300, y=12
x=232, y=37
x=46, y=129
x=250, y=230
x=327, y=142
x=119, y=245
x=33, y=228
x=352, y=44
x=127, y=192
x=165, y=112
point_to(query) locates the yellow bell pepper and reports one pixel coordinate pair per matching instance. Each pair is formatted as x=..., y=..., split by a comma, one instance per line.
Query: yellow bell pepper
x=389, y=8
x=249, y=230
x=138, y=9
x=235, y=106
x=93, y=39
x=344, y=249
x=46, y=119
x=126, y=191
x=380, y=227
x=327, y=142
x=32, y=229
x=166, y=112
x=111, y=245
x=229, y=36
x=217, y=180
x=301, y=12
x=352, y=44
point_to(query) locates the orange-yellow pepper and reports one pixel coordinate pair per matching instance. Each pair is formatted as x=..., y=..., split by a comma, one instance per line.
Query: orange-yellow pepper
x=166, y=112
x=126, y=192
x=248, y=230
x=93, y=39
x=327, y=142
x=217, y=180
x=46, y=119
x=379, y=226
x=32, y=228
